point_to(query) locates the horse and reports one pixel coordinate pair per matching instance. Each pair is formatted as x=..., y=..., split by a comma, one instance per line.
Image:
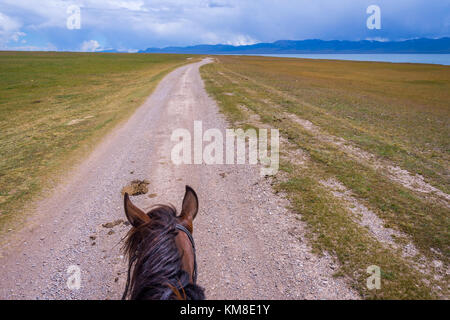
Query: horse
x=161, y=251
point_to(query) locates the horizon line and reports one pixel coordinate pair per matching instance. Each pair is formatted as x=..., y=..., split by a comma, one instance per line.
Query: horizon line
x=105, y=50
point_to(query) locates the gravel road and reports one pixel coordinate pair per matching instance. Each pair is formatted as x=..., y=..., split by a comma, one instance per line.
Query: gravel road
x=249, y=245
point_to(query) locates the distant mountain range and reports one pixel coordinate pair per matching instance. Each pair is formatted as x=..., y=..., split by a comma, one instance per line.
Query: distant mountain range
x=441, y=45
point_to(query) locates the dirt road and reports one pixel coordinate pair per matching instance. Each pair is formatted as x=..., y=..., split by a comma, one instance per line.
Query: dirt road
x=248, y=244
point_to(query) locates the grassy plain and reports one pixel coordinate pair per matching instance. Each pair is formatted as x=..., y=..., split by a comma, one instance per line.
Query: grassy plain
x=398, y=113
x=54, y=107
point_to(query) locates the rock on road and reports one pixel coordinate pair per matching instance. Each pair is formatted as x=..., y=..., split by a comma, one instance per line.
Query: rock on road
x=249, y=246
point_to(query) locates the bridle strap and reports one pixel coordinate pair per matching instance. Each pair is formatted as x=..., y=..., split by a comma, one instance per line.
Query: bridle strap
x=191, y=239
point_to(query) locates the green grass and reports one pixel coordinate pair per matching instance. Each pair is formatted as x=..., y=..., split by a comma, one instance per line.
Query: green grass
x=397, y=112
x=332, y=230
x=54, y=107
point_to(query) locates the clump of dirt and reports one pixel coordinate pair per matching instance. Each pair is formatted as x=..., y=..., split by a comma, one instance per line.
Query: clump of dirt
x=112, y=224
x=136, y=187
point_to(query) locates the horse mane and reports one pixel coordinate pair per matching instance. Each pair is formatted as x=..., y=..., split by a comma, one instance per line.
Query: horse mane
x=157, y=272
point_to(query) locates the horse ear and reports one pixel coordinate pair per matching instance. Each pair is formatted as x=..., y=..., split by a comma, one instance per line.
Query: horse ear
x=189, y=207
x=134, y=215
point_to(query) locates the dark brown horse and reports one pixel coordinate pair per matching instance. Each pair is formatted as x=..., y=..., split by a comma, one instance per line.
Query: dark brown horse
x=161, y=251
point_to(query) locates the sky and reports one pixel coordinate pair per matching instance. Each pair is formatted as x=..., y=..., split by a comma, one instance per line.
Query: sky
x=139, y=24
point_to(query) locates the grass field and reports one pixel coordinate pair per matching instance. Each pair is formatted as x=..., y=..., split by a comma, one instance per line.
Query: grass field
x=55, y=106
x=381, y=132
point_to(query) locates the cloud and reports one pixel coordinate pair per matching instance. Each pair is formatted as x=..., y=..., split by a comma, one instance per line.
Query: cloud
x=131, y=5
x=377, y=39
x=9, y=30
x=241, y=40
x=218, y=4
x=138, y=24
x=48, y=47
x=90, y=46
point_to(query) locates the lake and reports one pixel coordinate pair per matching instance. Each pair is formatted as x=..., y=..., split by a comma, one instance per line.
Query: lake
x=443, y=59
